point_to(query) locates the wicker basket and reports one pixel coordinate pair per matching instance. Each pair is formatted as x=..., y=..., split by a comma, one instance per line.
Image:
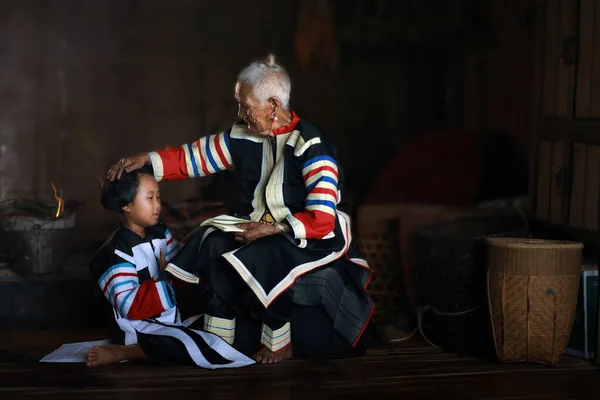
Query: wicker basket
x=449, y=258
x=532, y=289
x=449, y=261
x=407, y=217
x=378, y=244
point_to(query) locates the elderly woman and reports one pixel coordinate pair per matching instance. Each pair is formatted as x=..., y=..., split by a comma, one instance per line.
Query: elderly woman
x=295, y=249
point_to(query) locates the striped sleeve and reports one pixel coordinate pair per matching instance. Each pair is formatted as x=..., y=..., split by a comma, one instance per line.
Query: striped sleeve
x=132, y=299
x=172, y=247
x=320, y=175
x=203, y=157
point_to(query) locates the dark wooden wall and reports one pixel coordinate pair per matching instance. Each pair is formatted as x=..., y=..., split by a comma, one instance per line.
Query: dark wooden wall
x=499, y=73
x=84, y=82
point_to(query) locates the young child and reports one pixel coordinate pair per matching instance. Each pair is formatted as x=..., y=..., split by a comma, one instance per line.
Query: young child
x=128, y=269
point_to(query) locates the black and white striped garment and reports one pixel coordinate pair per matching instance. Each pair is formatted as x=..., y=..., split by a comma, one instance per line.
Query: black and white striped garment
x=145, y=309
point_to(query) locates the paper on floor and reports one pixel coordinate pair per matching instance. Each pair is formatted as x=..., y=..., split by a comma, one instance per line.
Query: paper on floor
x=73, y=352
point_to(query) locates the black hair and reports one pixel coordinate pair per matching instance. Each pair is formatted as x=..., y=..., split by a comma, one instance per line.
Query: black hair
x=120, y=192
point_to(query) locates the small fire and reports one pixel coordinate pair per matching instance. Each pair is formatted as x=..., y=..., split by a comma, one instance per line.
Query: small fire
x=61, y=204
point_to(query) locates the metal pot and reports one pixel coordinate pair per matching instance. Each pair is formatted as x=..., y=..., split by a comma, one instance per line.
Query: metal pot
x=36, y=245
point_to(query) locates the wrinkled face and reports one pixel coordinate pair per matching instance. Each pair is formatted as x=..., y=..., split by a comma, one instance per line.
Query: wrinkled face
x=145, y=207
x=250, y=109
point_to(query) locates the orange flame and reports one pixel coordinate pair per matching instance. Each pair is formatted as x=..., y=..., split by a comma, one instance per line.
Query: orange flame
x=61, y=204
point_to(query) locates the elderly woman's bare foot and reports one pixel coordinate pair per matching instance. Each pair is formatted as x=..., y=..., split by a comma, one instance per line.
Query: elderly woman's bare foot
x=266, y=356
x=111, y=354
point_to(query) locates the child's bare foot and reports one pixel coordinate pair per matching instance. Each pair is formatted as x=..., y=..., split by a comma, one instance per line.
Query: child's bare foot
x=111, y=354
x=266, y=356
x=101, y=355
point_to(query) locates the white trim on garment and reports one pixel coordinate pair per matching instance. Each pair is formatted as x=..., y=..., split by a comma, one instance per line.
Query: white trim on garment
x=298, y=271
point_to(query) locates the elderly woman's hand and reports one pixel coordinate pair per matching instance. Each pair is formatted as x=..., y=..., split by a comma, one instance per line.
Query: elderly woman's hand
x=127, y=164
x=254, y=230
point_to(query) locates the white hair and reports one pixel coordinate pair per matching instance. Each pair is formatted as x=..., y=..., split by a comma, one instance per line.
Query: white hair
x=267, y=79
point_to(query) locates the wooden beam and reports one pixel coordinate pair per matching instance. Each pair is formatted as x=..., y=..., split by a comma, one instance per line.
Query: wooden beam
x=597, y=341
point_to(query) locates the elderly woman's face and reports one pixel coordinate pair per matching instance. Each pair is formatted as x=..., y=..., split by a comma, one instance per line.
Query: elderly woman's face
x=255, y=114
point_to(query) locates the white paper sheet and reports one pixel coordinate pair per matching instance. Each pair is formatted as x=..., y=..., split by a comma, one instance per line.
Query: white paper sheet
x=72, y=352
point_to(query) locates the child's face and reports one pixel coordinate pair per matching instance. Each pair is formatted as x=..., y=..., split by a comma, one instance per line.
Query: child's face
x=145, y=207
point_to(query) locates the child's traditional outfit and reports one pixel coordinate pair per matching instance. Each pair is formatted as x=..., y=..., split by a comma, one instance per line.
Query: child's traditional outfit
x=127, y=270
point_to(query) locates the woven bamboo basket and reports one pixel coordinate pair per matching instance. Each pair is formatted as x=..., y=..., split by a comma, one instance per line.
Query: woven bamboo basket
x=378, y=244
x=532, y=293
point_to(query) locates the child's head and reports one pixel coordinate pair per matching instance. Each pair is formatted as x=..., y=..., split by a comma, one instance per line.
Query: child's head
x=135, y=195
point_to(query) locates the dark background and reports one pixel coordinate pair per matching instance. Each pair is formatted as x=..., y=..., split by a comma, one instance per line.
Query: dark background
x=85, y=82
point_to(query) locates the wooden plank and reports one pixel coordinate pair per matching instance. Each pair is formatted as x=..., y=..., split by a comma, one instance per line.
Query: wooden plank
x=585, y=236
x=537, y=100
x=586, y=56
x=597, y=332
x=592, y=196
x=595, y=81
x=557, y=201
x=542, y=208
x=577, y=130
x=551, y=58
x=539, y=41
x=568, y=143
x=565, y=78
x=597, y=349
x=576, y=209
x=410, y=369
x=409, y=373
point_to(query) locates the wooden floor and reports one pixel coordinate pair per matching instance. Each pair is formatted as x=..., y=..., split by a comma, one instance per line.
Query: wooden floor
x=403, y=371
